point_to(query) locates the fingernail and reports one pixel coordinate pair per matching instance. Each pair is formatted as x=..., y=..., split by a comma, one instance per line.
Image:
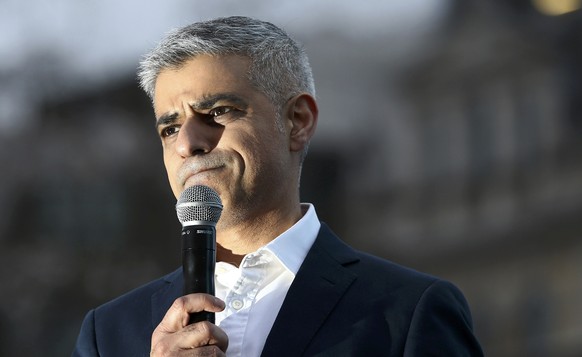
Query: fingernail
x=219, y=302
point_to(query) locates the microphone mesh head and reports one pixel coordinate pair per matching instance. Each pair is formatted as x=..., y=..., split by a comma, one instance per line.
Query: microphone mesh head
x=199, y=205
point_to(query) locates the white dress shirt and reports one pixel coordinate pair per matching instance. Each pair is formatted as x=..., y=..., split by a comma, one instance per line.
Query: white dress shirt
x=255, y=291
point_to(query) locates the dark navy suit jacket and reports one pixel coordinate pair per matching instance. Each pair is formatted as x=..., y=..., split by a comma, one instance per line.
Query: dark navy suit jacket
x=341, y=303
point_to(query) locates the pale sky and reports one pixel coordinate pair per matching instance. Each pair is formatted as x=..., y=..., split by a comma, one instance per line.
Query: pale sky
x=98, y=34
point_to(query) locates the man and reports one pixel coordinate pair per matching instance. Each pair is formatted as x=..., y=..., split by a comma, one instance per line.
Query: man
x=235, y=111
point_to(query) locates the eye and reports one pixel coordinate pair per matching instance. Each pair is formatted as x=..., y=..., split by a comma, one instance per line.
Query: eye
x=218, y=111
x=169, y=131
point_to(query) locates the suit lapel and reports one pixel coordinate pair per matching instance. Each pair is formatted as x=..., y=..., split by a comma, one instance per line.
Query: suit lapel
x=164, y=298
x=320, y=282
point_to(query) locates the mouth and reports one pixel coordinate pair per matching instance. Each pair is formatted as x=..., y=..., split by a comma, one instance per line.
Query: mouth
x=200, y=175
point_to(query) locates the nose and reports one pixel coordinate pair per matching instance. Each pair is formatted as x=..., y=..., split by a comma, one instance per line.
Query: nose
x=197, y=136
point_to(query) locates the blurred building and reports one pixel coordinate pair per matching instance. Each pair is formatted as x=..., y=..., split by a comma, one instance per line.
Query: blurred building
x=490, y=192
x=463, y=161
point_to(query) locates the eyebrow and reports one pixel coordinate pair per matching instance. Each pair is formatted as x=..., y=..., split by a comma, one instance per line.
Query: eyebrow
x=207, y=102
x=167, y=119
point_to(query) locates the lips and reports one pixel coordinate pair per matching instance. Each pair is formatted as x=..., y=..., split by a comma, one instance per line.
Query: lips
x=195, y=172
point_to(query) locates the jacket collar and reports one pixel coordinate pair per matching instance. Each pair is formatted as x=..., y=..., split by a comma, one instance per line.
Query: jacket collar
x=164, y=298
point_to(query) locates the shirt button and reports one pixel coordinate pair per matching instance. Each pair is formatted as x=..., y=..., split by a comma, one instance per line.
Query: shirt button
x=236, y=304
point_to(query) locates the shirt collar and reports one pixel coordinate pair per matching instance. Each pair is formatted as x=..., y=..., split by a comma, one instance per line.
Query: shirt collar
x=291, y=247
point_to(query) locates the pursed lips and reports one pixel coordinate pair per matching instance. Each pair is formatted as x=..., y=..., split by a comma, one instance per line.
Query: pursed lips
x=189, y=174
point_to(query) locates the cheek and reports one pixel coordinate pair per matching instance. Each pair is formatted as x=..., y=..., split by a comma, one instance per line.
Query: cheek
x=253, y=150
x=264, y=158
x=171, y=170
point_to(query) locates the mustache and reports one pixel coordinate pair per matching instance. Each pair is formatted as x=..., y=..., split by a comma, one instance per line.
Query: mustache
x=194, y=165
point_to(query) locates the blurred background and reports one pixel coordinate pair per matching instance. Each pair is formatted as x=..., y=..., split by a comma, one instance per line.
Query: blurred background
x=449, y=141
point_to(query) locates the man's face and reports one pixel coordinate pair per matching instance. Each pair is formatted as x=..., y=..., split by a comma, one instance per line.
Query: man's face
x=219, y=131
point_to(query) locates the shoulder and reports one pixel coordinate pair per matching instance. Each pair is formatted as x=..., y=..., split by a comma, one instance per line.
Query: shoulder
x=123, y=326
x=398, y=287
x=397, y=309
x=142, y=305
x=431, y=313
x=369, y=269
x=140, y=295
x=377, y=269
x=411, y=290
x=392, y=286
x=423, y=314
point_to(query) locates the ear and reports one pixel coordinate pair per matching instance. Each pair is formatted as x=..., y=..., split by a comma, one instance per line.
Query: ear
x=302, y=116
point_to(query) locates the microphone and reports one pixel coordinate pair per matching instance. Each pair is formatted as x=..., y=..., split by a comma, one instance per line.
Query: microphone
x=198, y=209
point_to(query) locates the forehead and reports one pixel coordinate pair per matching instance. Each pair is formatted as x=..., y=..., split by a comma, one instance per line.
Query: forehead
x=201, y=76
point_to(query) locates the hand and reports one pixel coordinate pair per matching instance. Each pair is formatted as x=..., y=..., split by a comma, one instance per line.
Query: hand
x=174, y=337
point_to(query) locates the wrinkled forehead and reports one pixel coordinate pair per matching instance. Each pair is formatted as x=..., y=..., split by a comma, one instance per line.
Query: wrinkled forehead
x=200, y=78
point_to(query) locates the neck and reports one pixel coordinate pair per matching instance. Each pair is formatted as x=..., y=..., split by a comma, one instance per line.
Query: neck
x=227, y=256
x=234, y=242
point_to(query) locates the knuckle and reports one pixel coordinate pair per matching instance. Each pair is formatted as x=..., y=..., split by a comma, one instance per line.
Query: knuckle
x=160, y=350
x=160, y=331
x=179, y=304
x=215, y=351
x=204, y=328
x=212, y=351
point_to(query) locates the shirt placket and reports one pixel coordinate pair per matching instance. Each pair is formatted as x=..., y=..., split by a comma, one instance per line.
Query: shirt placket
x=244, y=292
x=241, y=297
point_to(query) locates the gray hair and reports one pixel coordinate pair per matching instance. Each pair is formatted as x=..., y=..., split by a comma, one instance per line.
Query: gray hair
x=279, y=67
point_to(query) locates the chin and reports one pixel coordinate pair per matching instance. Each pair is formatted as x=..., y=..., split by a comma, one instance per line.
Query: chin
x=206, y=178
x=201, y=182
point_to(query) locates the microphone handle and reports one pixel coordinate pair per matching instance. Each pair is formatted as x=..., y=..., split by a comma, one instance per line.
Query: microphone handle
x=198, y=262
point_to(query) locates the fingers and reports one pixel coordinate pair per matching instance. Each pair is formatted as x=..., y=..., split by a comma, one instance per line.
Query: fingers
x=178, y=315
x=199, y=339
x=203, y=334
x=174, y=337
x=213, y=351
